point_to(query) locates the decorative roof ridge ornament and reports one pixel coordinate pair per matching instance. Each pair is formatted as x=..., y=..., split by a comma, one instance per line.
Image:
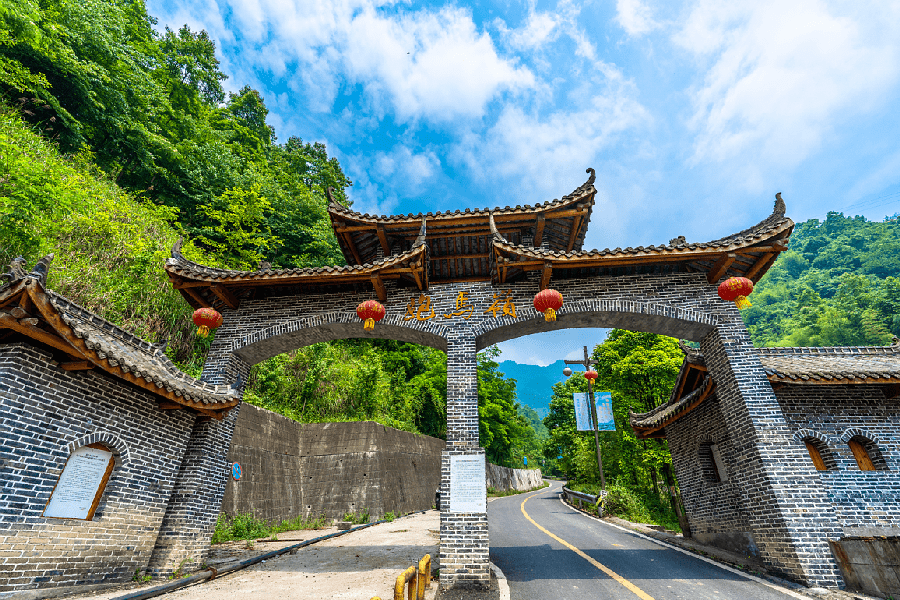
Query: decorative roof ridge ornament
x=420, y=239
x=330, y=196
x=780, y=207
x=176, y=248
x=17, y=270
x=494, y=232
x=593, y=176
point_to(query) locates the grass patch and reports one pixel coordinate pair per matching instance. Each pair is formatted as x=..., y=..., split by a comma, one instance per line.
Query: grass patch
x=623, y=502
x=358, y=518
x=494, y=493
x=244, y=526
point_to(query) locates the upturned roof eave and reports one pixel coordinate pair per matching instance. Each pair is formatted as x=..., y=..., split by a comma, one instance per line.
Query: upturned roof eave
x=91, y=341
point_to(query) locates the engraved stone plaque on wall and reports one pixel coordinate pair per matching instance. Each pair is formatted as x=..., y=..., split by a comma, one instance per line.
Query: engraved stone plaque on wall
x=80, y=486
x=468, y=493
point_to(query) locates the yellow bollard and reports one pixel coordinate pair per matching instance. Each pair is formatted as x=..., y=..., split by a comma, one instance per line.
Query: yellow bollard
x=408, y=575
x=423, y=580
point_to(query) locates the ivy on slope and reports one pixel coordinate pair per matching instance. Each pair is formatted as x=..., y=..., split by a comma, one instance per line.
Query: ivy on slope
x=109, y=246
x=837, y=286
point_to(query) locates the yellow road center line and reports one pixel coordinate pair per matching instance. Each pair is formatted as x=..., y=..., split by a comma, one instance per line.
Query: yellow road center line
x=624, y=582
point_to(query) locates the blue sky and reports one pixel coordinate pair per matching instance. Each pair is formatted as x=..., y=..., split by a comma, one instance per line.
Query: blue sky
x=694, y=114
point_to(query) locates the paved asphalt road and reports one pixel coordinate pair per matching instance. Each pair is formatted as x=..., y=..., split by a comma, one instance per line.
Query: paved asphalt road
x=612, y=563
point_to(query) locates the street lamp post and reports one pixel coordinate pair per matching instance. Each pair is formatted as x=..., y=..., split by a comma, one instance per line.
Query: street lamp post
x=587, y=363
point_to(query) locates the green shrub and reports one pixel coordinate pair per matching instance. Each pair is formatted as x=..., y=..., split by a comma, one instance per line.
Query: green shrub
x=244, y=526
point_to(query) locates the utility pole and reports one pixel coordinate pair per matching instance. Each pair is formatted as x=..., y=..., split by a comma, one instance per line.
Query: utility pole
x=587, y=363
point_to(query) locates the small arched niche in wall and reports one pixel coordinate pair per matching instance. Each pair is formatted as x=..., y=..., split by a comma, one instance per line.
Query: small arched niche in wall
x=819, y=453
x=868, y=456
x=80, y=486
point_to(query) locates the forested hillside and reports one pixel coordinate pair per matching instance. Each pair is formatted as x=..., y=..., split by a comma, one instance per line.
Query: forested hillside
x=836, y=286
x=116, y=139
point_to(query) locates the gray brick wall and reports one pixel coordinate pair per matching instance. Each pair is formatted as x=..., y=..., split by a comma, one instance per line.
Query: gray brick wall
x=45, y=413
x=772, y=475
x=867, y=503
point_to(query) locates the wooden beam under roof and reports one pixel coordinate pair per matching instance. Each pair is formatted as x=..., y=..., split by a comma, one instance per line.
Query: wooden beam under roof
x=77, y=365
x=197, y=297
x=383, y=239
x=458, y=220
x=36, y=333
x=539, y=230
x=760, y=263
x=380, y=291
x=348, y=240
x=576, y=224
x=225, y=295
x=720, y=267
x=546, y=274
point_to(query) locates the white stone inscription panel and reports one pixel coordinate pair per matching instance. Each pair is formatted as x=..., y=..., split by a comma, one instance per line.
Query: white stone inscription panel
x=468, y=493
x=77, y=487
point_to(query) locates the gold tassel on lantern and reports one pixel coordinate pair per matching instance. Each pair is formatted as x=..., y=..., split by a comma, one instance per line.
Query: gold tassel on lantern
x=742, y=302
x=203, y=331
x=369, y=325
x=549, y=315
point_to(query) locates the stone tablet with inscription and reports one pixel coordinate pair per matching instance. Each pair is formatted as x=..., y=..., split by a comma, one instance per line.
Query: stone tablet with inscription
x=79, y=483
x=468, y=493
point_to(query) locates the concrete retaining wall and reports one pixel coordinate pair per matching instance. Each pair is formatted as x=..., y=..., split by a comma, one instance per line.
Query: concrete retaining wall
x=870, y=564
x=504, y=479
x=291, y=469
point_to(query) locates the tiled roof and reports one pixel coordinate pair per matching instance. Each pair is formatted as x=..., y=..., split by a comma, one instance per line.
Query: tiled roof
x=179, y=266
x=131, y=354
x=671, y=410
x=96, y=343
x=773, y=225
x=585, y=190
x=838, y=364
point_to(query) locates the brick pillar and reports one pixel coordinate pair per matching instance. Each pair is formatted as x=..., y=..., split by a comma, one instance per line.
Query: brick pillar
x=196, y=499
x=464, y=536
x=788, y=509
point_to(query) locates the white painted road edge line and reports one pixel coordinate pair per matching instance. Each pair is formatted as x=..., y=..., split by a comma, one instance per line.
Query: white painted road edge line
x=791, y=593
x=501, y=581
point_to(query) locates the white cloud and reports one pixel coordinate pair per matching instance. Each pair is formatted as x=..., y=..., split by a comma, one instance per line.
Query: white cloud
x=540, y=152
x=429, y=63
x=781, y=75
x=634, y=17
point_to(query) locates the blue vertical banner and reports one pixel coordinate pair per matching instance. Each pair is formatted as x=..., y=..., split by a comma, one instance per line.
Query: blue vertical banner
x=582, y=412
x=605, y=420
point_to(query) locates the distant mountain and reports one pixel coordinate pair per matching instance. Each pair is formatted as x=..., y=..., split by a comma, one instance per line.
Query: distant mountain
x=533, y=383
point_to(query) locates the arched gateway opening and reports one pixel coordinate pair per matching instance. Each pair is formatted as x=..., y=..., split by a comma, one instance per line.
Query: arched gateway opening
x=463, y=281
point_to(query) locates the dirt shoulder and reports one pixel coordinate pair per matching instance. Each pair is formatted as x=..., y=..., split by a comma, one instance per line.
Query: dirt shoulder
x=355, y=566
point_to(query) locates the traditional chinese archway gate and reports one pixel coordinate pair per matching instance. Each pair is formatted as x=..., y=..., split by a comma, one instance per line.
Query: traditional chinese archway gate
x=463, y=281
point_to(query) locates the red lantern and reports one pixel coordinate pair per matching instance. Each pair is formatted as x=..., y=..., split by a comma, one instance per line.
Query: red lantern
x=206, y=319
x=736, y=289
x=370, y=311
x=548, y=302
x=590, y=375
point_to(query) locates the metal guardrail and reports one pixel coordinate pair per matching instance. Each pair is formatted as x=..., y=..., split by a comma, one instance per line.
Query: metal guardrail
x=580, y=497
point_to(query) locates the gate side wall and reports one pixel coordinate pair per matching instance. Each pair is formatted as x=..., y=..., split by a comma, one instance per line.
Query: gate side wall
x=867, y=503
x=45, y=413
x=790, y=515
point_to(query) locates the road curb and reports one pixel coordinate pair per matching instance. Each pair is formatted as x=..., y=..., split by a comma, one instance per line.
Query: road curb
x=501, y=582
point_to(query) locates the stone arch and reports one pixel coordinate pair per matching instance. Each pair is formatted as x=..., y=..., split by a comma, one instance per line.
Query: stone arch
x=852, y=432
x=118, y=447
x=270, y=341
x=651, y=317
x=870, y=443
x=821, y=442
